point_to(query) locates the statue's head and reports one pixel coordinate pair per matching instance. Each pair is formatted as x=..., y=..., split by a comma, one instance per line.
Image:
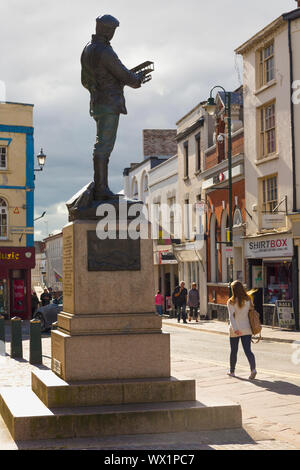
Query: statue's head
x=106, y=26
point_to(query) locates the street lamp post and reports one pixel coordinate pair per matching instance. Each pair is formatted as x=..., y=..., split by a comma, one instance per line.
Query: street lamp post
x=41, y=158
x=211, y=108
x=41, y=216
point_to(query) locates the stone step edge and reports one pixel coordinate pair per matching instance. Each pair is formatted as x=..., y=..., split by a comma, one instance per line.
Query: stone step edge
x=110, y=393
x=113, y=421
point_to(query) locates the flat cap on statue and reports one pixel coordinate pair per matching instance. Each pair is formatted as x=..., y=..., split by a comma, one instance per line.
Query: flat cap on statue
x=108, y=20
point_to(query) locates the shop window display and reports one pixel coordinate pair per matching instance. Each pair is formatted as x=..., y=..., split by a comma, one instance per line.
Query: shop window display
x=278, y=282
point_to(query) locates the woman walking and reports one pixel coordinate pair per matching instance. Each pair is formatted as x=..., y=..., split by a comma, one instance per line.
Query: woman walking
x=159, y=302
x=238, y=307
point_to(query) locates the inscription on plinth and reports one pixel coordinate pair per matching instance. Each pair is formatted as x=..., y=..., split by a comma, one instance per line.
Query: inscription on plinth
x=91, y=267
x=68, y=268
x=113, y=254
x=57, y=354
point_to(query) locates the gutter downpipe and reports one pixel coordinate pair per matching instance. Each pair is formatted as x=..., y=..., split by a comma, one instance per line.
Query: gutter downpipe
x=295, y=264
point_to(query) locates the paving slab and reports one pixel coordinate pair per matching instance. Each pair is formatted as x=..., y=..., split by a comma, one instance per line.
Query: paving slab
x=262, y=429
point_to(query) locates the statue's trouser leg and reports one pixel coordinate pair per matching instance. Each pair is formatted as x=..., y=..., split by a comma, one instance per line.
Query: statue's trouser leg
x=107, y=126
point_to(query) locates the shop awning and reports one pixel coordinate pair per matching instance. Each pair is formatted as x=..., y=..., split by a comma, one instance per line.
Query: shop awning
x=187, y=256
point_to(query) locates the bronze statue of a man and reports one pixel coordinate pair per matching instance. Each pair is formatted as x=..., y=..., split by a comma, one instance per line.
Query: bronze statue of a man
x=105, y=76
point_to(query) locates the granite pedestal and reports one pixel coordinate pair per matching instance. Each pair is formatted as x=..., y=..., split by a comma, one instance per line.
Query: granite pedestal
x=110, y=359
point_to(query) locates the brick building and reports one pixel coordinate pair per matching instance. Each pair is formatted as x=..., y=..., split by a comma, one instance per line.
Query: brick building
x=159, y=143
x=224, y=264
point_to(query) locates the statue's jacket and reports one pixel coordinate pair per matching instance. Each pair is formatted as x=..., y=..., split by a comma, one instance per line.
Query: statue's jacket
x=104, y=75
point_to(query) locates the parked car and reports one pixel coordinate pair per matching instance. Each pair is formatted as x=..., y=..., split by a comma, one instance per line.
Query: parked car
x=48, y=314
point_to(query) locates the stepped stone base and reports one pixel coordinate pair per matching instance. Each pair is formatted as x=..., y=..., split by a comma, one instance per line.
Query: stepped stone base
x=110, y=359
x=55, y=392
x=27, y=417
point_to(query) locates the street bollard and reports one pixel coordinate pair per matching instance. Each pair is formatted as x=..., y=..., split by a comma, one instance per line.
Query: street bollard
x=35, y=355
x=2, y=336
x=16, y=349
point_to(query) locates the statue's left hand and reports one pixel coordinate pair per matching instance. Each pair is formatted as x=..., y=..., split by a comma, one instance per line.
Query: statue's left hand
x=144, y=76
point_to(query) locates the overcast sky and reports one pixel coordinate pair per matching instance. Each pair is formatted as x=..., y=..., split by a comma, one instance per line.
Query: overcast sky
x=191, y=42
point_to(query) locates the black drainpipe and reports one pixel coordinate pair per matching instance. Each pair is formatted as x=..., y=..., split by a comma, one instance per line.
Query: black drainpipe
x=295, y=269
x=292, y=119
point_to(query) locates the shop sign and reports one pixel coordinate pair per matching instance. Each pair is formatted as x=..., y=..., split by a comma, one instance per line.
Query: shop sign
x=285, y=313
x=280, y=246
x=167, y=258
x=201, y=207
x=22, y=229
x=236, y=171
x=229, y=252
x=11, y=256
x=20, y=257
x=270, y=221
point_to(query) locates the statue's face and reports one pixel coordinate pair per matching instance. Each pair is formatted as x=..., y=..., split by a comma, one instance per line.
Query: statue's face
x=110, y=33
x=106, y=30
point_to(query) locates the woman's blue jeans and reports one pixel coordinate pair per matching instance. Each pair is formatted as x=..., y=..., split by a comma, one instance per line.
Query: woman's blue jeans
x=234, y=345
x=159, y=309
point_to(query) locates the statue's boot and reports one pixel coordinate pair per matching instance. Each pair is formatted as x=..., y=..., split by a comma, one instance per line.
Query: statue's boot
x=101, y=190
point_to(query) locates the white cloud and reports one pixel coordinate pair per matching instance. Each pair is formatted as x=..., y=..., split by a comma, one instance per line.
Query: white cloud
x=191, y=44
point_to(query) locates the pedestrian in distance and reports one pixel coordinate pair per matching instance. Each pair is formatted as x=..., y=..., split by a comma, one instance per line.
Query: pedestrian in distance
x=45, y=298
x=179, y=298
x=238, y=308
x=193, y=302
x=34, y=303
x=51, y=293
x=159, y=302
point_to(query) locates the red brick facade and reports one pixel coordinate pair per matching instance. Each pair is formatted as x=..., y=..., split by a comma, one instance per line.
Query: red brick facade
x=215, y=199
x=219, y=294
x=211, y=159
x=159, y=142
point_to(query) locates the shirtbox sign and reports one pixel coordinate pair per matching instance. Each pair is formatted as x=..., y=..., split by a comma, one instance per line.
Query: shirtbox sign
x=281, y=246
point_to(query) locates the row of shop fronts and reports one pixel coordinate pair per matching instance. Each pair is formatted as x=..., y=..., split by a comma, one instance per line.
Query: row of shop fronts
x=270, y=261
x=15, y=281
x=268, y=271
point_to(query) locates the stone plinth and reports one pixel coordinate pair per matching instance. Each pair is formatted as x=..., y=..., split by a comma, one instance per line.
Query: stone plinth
x=108, y=329
x=116, y=291
x=110, y=359
x=109, y=356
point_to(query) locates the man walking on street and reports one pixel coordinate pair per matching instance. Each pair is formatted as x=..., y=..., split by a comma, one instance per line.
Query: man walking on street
x=180, y=301
x=193, y=302
x=45, y=298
